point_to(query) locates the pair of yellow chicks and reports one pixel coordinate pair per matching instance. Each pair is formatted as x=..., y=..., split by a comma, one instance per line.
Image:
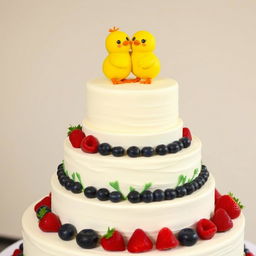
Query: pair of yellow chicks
x=126, y=56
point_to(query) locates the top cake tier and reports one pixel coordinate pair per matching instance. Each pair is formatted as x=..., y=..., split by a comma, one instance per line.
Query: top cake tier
x=133, y=114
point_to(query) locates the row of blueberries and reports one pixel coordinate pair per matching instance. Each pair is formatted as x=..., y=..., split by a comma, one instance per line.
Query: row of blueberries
x=134, y=151
x=147, y=196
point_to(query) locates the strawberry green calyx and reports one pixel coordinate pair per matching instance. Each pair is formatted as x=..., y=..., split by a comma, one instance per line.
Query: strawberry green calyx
x=72, y=128
x=109, y=233
x=42, y=211
x=237, y=200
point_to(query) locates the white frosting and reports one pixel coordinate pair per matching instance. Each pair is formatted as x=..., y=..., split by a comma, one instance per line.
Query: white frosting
x=163, y=171
x=38, y=243
x=132, y=108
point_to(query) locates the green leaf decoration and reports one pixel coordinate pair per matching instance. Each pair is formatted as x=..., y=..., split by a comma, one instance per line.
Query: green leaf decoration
x=73, y=176
x=109, y=233
x=237, y=200
x=132, y=189
x=115, y=185
x=184, y=180
x=196, y=171
x=180, y=179
x=79, y=179
x=72, y=128
x=147, y=186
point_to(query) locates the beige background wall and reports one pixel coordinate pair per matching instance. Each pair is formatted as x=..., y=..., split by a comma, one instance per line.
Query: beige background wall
x=49, y=48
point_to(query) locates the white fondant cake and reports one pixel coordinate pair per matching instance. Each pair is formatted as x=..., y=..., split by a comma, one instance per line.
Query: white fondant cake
x=132, y=115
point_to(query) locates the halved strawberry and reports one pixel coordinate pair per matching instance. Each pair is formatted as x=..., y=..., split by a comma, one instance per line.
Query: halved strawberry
x=187, y=133
x=90, y=144
x=166, y=240
x=139, y=242
x=222, y=220
x=217, y=195
x=227, y=203
x=113, y=241
x=17, y=252
x=50, y=223
x=46, y=201
x=206, y=229
x=76, y=135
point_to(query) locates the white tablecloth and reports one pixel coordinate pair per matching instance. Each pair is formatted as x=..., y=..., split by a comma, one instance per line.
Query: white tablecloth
x=8, y=251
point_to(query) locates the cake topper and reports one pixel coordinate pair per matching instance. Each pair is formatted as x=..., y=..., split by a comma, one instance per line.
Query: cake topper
x=126, y=56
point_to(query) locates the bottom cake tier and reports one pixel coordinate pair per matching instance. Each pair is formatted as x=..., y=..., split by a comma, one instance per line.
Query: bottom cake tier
x=38, y=243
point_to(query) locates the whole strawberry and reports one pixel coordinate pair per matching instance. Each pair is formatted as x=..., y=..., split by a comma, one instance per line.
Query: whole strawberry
x=166, y=240
x=139, y=242
x=187, y=133
x=227, y=203
x=113, y=241
x=46, y=201
x=217, y=195
x=50, y=222
x=222, y=220
x=76, y=135
x=206, y=229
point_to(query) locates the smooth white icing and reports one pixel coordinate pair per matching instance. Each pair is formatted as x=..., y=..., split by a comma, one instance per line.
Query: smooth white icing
x=38, y=243
x=163, y=171
x=131, y=108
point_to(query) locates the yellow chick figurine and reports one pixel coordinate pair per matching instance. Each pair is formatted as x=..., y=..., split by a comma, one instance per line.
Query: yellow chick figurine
x=145, y=64
x=117, y=65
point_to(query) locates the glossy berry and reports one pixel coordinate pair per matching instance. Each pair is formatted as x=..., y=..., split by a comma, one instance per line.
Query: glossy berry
x=76, y=135
x=161, y=150
x=186, y=142
x=147, y=151
x=222, y=220
x=187, y=237
x=103, y=194
x=133, y=151
x=118, y=151
x=181, y=191
x=104, y=149
x=206, y=229
x=63, y=180
x=170, y=194
x=147, y=196
x=173, y=148
x=187, y=133
x=113, y=241
x=158, y=195
x=179, y=143
x=67, y=232
x=90, y=192
x=199, y=182
x=77, y=188
x=17, y=252
x=115, y=196
x=21, y=247
x=60, y=173
x=203, y=167
x=166, y=240
x=134, y=197
x=195, y=184
x=90, y=144
x=69, y=184
x=190, y=188
x=60, y=167
x=87, y=239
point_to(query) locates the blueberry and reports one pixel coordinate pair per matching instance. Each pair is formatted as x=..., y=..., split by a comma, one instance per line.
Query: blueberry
x=187, y=237
x=67, y=232
x=181, y=191
x=173, y=148
x=186, y=142
x=134, y=197
x=77, y=188
x=61, y=173
x=104, y=149
x=195, y=184
x=133, y=151
x=21, y=247
x=147, y=151
x=161, y=150
x=190, y=188
x=179, y=143
x=87, y=239
x=203, y=167
x=200, y=181
x=63, y=180
x=61, y=167
x=118, y=151
x=115, y=196
x=158, y=195
x=147, y=196
x=170, y=194
x=90, y=192
x=103, y=194
x=69, y=184
x=204, y=175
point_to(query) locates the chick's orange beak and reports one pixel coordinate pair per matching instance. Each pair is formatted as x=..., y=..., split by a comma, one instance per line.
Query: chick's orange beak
x=125, y=43
x=136, y=42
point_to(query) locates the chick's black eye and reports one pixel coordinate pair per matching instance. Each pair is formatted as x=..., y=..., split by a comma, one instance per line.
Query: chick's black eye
x=127, y=38
x=118, y=42
x=133, y=38
x=143, y=41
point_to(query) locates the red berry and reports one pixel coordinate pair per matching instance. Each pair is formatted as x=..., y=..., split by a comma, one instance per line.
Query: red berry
x=90, y=144
x=166, y=239
x=113, y=241
x=44, y=202
x=139, y=242
x=206, y=229
x=222, y=220
x=187, y=133
x=227, y=203
x=76, y=136
x=249, y=254
x=50, y=223
x=17, y=252
x=217, y=195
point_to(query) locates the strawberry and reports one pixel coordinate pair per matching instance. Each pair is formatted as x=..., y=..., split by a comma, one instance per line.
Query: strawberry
x=166, y=240
x=227, y=203
x=187, y=133
x=249, y=254
x=139, y=242
x=44, y=202
x=206, y=229
x=90, y=144
x=222, y=220
x=17, y=252
x=113, y=241
x=76, y=135
x=217, y=195
x=50, y=222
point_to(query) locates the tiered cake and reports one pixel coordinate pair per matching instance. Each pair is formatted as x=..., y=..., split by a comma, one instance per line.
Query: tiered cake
x=143, y=175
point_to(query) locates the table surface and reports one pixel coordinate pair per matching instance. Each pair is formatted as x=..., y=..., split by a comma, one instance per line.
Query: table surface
x=9, y=250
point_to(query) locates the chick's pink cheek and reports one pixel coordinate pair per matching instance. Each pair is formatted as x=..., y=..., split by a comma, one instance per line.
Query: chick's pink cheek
x=143, y=44
x=119, y=45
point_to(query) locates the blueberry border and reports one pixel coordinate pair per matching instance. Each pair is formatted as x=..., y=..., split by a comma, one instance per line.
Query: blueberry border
x=147, y=196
